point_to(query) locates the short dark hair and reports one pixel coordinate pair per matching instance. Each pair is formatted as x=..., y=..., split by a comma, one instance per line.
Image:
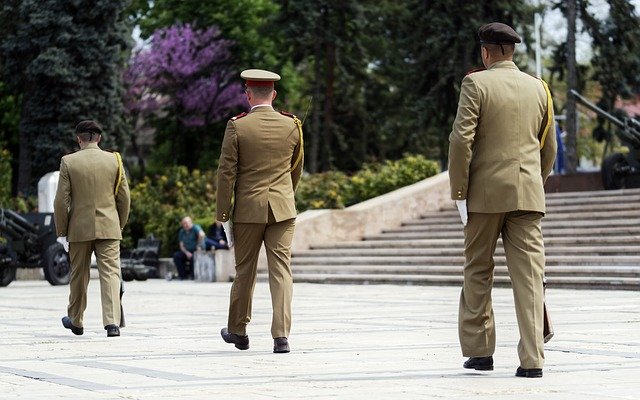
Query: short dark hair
x=261, y=92
x=86, y=130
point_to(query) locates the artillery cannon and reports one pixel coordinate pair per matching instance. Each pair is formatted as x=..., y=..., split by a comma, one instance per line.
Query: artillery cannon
x=618, y=169
x=31, y=243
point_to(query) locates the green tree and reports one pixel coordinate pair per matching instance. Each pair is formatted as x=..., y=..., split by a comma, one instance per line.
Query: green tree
x=64, y=58
x=244, y=22
x=422, y=50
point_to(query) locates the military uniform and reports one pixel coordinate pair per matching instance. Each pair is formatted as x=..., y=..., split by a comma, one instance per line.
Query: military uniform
x=260, y=167
x=91, y=207
x=500, y=155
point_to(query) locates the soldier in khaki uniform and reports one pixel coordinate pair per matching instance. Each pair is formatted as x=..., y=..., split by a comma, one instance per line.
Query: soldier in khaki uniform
x=260, y=167
x=91, y=208
x=501, y=151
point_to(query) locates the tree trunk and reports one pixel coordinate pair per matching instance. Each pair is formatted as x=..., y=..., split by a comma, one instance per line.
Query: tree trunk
x=570, y=152
x=330, y=64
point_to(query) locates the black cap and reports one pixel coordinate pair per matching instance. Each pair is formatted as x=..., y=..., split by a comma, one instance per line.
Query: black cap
x=498, y=33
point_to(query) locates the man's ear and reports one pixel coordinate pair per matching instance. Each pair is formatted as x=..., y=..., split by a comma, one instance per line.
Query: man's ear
x=274, y=95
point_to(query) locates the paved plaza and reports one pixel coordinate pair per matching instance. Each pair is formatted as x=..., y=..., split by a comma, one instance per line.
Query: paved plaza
x=348, y=342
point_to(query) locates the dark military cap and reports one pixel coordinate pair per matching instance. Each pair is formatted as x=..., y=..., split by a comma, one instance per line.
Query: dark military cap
x=498, y=33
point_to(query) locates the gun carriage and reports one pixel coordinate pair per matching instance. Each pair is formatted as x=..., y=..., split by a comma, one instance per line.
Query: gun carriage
x=30, y=242
x=618, y=170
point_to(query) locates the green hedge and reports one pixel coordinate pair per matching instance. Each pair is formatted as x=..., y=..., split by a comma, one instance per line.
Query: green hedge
x=158, y=204
x=337, y=190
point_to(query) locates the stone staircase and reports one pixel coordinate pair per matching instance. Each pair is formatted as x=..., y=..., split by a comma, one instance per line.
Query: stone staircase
x=592, y=241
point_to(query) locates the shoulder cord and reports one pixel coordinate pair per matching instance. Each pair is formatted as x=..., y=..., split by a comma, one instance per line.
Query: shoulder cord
x=300, y=143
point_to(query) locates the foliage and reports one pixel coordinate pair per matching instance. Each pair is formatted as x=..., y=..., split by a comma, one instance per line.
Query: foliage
x=322, y=190
x=159, y=203
x=384, y=75
x=5, y=177
x=64, y=59
x=335, y=189
x=186, y=76
x=9, y=132
x=244, y=22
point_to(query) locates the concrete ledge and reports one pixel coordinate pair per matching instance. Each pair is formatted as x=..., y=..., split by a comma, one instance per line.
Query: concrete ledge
x=372, y=216
x=225, y=266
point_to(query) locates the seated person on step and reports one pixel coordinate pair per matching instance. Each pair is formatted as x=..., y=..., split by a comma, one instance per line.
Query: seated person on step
x=216, y=238
x=191, y=237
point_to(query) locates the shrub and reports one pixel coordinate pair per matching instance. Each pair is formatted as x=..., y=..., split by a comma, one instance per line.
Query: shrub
x=336, y=190
x=5, y=177
x=159, y=203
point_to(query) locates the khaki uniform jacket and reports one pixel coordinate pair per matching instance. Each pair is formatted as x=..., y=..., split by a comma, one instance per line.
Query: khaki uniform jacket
x=495, y=157
x=255, y=168
x=86, y=207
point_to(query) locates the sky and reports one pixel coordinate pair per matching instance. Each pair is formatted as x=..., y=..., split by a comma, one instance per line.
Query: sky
x=554, y=27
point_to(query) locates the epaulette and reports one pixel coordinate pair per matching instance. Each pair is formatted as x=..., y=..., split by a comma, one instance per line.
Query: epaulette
x=287, y=114
x=238, y=116
x=475, y=70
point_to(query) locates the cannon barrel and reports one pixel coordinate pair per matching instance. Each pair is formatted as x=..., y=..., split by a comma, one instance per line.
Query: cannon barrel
x=628, y=128
x=15, y=227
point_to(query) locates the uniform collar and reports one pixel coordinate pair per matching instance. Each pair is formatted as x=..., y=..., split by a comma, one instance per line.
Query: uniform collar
x=504, y=64
x=91, y=145
x=260, y=107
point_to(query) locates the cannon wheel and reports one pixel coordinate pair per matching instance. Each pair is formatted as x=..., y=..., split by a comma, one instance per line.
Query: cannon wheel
x=7, y=275
x=57, y=266
x=612, y=180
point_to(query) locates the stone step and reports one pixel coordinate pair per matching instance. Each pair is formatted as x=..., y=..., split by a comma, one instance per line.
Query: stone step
x=549, y=242
x=459, y=260
x=567, y=217
x=557, y=232
x=546, y=225
x=551, y=210
x=550, y=271
x=454, y=280
x=593, y=194
x=456, y=251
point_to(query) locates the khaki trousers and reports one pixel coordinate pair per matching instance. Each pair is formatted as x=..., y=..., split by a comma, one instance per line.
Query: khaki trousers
x=108, y=259
x=524, y=250
x=277, y=237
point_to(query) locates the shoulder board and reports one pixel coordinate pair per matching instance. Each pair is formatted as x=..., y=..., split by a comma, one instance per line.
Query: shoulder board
x=286, y=114
x=238, y=116
x=475, y=70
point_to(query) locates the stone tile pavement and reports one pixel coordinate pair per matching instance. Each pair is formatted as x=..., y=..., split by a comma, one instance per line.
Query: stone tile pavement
x=348, y=342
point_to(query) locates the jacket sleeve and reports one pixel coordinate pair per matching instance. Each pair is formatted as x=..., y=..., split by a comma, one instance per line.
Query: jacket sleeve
x=227, y=171
x=548, y=149
x=123, y=201
x=462, y=137
x=62, y=201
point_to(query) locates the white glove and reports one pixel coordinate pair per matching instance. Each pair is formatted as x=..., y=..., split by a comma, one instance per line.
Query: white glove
x=63, y=241
x=228, y=231
x=462, y=209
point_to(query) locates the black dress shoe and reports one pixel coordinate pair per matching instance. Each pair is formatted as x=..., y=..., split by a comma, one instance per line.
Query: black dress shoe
x=66, y=322
x=280, y=345
x=112, y=330
x=479, y=363
x=241, y=342
x=529, y=373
